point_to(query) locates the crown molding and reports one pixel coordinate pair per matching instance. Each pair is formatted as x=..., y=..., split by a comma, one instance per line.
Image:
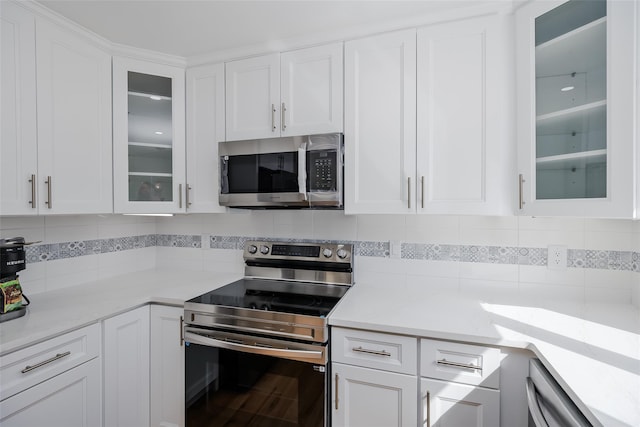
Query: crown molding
x=352, y=33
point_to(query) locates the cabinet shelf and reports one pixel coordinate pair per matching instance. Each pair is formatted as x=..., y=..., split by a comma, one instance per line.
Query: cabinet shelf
x=591, y=116
x=150, y=96
x=149, y=145
x=582, y=49
x=154, y=174
x=573, y=160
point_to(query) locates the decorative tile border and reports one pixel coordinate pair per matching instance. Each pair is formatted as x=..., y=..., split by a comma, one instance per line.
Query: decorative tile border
x=576, y=258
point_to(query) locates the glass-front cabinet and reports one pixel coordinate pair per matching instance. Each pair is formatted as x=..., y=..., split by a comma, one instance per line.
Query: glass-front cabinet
x=575, y=78
x=149, y=137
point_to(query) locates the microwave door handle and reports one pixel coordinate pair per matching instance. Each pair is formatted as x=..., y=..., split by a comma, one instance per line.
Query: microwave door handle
x=302, y=171
x=224, y=174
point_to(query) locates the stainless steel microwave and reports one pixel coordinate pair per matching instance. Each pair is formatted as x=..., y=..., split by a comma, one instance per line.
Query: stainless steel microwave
x=288, y=172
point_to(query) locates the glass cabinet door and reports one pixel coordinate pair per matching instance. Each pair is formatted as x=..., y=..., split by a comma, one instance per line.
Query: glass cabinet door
x=571, y=101
x=150, y=137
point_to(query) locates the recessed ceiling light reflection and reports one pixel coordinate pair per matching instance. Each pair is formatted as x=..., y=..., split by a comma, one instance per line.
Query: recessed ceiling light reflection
x=567, y=88
x=155, y=97
x=158, y=132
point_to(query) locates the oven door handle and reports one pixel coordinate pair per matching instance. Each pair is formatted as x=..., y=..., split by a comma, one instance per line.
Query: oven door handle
x=302, y=355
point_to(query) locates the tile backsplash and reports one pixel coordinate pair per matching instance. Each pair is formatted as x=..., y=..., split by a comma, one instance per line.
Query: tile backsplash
x=466, y=253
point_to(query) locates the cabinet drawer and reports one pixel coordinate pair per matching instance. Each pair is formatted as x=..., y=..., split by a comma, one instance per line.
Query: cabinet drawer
x=375, y=350
x=32, y=365
x=462, y=363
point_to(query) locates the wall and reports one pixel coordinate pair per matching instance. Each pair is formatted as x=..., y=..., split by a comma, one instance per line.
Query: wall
x=80, y=249
x=463, y=253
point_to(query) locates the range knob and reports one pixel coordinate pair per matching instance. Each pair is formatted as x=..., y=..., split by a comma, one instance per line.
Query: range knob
x=342, y=254
x=264, y=249
x=327, y=252
x=252, y=249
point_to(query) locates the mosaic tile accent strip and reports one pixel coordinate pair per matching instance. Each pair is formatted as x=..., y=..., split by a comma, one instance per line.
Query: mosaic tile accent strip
x=576, y=258
x=54, y=251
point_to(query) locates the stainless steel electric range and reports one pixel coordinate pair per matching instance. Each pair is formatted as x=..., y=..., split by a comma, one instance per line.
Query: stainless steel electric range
x=256, y=350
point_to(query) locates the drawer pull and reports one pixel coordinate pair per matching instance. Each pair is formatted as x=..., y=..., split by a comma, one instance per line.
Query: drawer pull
x=44, y=362
x=445, y=362
x=374, y=352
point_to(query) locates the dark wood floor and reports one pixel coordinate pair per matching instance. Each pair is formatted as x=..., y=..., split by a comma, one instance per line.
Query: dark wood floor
x=277, y=399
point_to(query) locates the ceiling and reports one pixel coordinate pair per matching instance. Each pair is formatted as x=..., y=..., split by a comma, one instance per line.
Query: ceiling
x=196, y=27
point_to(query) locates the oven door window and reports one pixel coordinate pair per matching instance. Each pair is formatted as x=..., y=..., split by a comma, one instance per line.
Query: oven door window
x=263, y=173
x=231, y=388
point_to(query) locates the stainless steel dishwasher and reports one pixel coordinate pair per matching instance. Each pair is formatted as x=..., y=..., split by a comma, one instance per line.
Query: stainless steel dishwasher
x=549, y=405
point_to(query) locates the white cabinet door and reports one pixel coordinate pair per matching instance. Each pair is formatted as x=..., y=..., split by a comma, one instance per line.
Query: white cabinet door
x=575, y=86
x=18, y=140
x=126, y=369
x=363, y=397
x=380, y=123
x=74, y=123
x=465, y=113
x=71, y=399
x=450, y=404
x=253, y=97
x=167, y=367
x=205, y=128
x=311, y=90
x=149, y=137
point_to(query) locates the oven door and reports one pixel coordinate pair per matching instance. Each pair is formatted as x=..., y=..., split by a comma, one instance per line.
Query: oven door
x=236, y=379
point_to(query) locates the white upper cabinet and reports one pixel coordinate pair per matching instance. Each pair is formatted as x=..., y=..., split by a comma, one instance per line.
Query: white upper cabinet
x=465, y=130
x=18, y=143
x=253, y=98
x=311, y=90
x=205, y=128
x=296, y=93
x=380, y=123
x=149, y=137
x=74, y=123
x=575, y=68
x=436, y=140
x=59, y=163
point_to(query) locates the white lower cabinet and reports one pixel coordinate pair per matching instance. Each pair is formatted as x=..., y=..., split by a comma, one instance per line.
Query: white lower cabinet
x=53, y=383
x=446, y=403
x=71, y=399
x=387, y=380
x=126, y=369
x=364, y=397
x=167, y=367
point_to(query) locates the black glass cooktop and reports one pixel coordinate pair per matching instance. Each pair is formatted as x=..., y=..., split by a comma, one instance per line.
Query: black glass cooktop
x=314, y=299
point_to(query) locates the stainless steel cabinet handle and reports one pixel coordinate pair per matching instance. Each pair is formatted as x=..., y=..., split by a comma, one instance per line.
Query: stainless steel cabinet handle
x=374, y=352
x=428, y=409
x=534, y=407
x=44, y=362
x=445, y=362
x=422, y=190
x=180, y=196
x=409, y=192
x=273, y=118
x=188, y=202
x=284, y=109
x=33, y=191
x=181, y=331
x=337, y=380
x=521, y=181
x=49, y=202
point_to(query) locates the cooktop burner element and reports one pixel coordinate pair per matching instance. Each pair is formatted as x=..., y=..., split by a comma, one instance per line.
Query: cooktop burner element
x=289, y=289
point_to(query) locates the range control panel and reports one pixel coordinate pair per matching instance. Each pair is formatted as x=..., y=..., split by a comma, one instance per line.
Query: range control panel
x=316, y=252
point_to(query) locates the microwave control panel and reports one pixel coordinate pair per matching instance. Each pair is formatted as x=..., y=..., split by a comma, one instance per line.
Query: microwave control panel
x=322, y=170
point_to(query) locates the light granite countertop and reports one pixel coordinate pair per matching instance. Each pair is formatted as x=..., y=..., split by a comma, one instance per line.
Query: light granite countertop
x=593, y=350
